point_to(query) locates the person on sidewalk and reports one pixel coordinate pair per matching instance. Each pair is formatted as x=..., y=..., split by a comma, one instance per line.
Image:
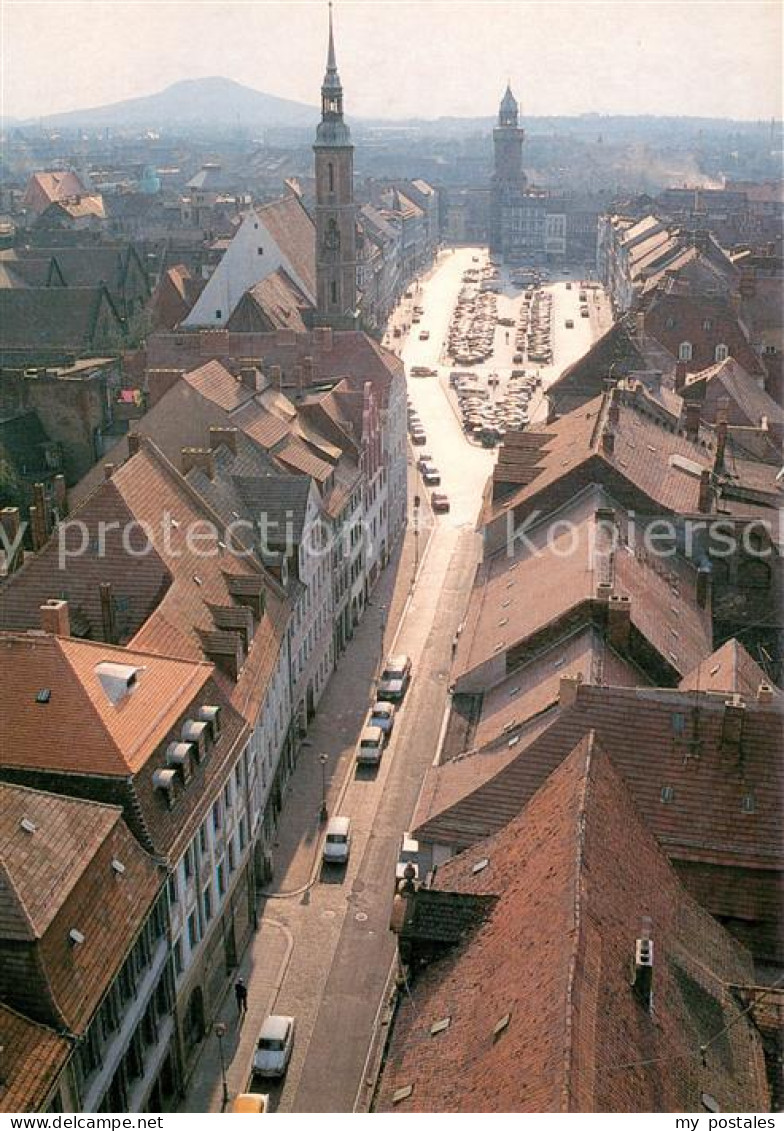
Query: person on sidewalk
x=241, y=994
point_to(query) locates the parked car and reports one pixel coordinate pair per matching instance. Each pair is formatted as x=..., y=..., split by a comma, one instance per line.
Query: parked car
x=423, y=459
x=273, y=1050
x=569, y=323
x=424, y=335
x=568, y=286
x=418, y=438
x=423, y=371
x=431, y=476
x=584, y=312
x=517, y=359
x=250, y=1103
x=337, y=842
x=382, y=715
x=370, y=746
x=439, y=503
x=395, y=679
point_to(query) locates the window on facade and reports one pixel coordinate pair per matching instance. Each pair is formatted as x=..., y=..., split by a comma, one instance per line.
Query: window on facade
x=233, y=854
x=193, y=930
x=331, y=177
x=221, y=873
x=204, y=842
x=217, y=816
x=207, y=902
x=187, y=862
x=218, y=315
x=333, y=293
x=721, y=352
x=707, y=323
x=227, y=795
x=173, y=889
x=670, y=323
x=243, y=834
x=179, y=965
x=685, y=351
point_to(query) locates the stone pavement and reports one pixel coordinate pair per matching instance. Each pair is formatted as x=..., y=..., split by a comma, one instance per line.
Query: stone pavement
x=263, y=968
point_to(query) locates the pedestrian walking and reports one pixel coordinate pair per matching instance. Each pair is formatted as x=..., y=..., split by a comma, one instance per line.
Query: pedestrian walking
x=241, y=994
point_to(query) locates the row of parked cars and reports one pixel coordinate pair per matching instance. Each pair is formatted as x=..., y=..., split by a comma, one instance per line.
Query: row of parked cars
x=472, y=329
x=534, y=329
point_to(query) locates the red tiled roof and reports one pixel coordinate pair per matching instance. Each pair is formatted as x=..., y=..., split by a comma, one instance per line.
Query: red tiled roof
x=33, y=1058
x=290, y=225
x=729, y=669
x=213, y=381
x=61, y=878
x=535, y=1006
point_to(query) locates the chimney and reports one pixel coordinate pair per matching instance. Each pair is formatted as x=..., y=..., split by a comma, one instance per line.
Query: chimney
x=703, y=586
x=37, y=528
x=722, y=410
x=732, y=725
x=619, y=622
x=42, y=506
x=568, y=688
x=308, y=371
x=765, y=693
x=60, y=496
x=608, y=442
x=9, y=520
x=224, y=649
x=108, y=470
x=134, y=444
x=55, y=618
x=639, y=320
x=680, y=376
x=721, y=445
x=692, y=421
x=226, y=436
x=107, y=613
x=298, y=378
x=704, y=497
x=613, y=410
x=643, y=972
x=275, y=376
x=202, y=458
x=249, y=376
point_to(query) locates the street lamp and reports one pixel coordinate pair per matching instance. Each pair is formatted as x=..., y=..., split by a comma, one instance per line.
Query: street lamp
x=220, y=1033
x=416, y=533
x=323, y=814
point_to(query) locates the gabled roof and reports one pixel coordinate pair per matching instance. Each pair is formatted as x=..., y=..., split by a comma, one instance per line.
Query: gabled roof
x=729, y=378
x=274, y=303
x=113, y=739
x=44, y=187
x=61, y=878
x=534, y=1010
x=730, y=669
x=612, y=355
x=53, y=317
x=33, y=1058
x=290, y=225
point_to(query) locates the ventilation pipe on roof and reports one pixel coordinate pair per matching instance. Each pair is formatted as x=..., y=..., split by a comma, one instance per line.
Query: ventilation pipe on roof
x=608, y=442
x=721, y=446
x=107, y=613
x=250, y=377
x=60, y=495
x=37, y=528
x=134, y=444
x=680, y=376
x=108, y=470
x=703, y=586
x=764, y=693
x=692, y=423
x=704, y=497
x=202, y=458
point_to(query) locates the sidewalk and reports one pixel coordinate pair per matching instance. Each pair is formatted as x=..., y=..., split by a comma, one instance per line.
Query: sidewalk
x=263, y=968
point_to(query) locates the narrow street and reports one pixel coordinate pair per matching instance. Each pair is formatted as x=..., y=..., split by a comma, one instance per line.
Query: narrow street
x=323, y=950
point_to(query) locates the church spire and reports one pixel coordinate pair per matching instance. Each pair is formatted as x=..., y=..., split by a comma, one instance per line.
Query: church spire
x=331, y=64
x=332, y=129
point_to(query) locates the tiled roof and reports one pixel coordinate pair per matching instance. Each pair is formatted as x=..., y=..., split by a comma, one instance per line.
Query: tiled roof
x=534, y=1010
x=61, y=879
x=79, y=207
x=729, y=669
x=112, y=739
x=729, y=378
x=291, y=227
x=274, y=303
x=214, y=382
x=33, y=1058
x=708, y=803
x=567, y=563
x=294, y=453
x=52, y=317
x=44, y=187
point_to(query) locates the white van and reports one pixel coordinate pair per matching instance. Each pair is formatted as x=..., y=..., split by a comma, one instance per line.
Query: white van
x=337, y=843
x=370, y=746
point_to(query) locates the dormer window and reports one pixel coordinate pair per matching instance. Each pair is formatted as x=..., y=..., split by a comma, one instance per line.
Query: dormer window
x=117, y=680
x=178, y=756
x=211, y=716
x=195, y=732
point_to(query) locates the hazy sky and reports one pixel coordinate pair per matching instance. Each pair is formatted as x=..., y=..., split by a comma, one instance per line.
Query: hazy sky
x=400, y=58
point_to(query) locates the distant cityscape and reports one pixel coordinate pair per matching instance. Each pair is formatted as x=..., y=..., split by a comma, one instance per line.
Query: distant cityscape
x=390, y=609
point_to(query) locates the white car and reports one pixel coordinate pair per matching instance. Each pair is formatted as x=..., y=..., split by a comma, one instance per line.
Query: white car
x=370, y=746
x=337, y=842
x=394, y=679
x=273, y=1050
x=382, y=715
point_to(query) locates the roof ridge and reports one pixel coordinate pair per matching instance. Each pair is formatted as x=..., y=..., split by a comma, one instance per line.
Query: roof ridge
x=580, y=899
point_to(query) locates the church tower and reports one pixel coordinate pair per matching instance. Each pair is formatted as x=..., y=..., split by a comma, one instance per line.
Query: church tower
x=336, y=238
x=508, y=177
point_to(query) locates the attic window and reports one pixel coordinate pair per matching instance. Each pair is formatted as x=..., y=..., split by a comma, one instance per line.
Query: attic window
x=197, y=579
x=749, y=803
x=667, y=794
x=402, y=1094
x=678, y=723
x=480, y=865
x=76, y=937
x=117, y=680
x=175, y=524
x=440, y=1026
x=514, y=691
x=503, y=621
x=559, y=662
x=501, y=1026
x=709, y=1102
x=714, y=671
x=44, y=695
x=28, y=825
x=498, y=646
x=118, y=867
x=672, y=656
x=513, y=741
x=259, y=250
